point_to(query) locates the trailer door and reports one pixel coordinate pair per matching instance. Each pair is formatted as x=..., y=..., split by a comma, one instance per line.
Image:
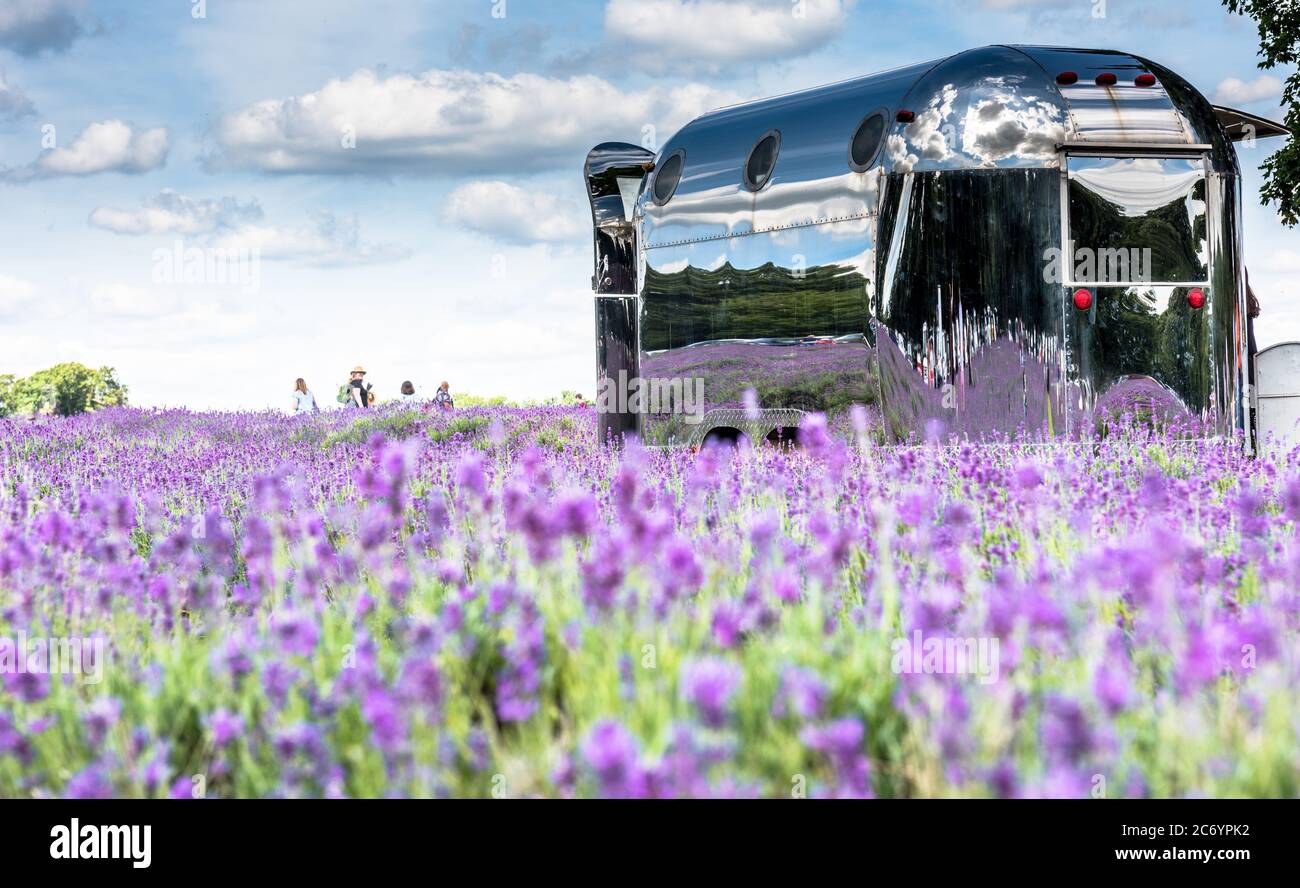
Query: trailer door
x=1136, y=303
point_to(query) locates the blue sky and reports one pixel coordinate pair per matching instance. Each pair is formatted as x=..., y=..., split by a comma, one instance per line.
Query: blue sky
x=409, y=172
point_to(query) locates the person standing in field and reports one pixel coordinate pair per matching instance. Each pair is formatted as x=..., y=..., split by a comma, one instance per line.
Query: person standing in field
x=408, y=391
x=442, y=400
x=303, y=400
x=359, y=393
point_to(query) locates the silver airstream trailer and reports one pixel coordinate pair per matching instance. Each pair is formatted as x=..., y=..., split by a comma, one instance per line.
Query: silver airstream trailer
x=1009, y=241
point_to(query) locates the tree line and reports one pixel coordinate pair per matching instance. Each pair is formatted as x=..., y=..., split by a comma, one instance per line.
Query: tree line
x=64, y=389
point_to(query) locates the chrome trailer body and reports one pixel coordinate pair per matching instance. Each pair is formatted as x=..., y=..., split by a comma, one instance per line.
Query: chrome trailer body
x=900, y=251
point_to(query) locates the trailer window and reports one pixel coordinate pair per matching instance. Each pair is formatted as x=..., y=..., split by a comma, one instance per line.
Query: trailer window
x=866, y=141
x=667, y=177
x=762, y=160
x=1136, y=220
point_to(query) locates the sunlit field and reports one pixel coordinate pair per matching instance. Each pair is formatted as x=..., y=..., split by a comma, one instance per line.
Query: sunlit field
x=487, y=603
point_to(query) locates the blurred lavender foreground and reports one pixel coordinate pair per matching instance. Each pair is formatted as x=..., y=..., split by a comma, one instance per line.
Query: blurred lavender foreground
x=487, y=603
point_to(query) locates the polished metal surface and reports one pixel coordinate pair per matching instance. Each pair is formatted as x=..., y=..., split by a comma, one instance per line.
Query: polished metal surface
x=923, y=283
x=1138, y=219
x=989, y=108
x=969, y=332
x=1118, y=113
x=811, y=183
x=617, y=359
x=614, y=174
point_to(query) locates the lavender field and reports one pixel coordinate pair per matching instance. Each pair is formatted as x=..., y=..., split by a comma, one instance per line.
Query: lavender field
x=487, y=604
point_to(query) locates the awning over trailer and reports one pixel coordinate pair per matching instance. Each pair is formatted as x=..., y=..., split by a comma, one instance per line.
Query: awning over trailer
x=1241, y=124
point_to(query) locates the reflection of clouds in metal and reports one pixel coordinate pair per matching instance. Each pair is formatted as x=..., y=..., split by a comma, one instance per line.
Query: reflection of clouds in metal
x=985, y=123
x=1007, y=126
x=924, y=135
x=1141, y=184
x=727, y=210
x=864, y=264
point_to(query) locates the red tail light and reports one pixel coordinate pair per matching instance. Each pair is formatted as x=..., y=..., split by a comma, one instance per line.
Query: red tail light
x=1083, y=299
x=1145, y=80
x=1107, y=79
x=905, y=116
x=1065, y=78
x=1196, y=297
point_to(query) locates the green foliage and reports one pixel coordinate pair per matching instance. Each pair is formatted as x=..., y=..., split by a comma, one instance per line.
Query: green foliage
x=484, y=401
x=66, y=389
x=461, y=425
x=393, y=426
x=1279, y=44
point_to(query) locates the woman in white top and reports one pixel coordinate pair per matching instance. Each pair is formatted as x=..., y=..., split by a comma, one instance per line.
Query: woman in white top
x=408, y=391
x=303, y=400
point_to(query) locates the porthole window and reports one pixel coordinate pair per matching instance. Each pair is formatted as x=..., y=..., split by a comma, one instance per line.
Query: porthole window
x=762, y=160
x=668, y=176
x=866, y=141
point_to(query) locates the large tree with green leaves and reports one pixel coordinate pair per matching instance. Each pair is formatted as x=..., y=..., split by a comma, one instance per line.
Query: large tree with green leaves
x=1279, y=44
x=65, y=389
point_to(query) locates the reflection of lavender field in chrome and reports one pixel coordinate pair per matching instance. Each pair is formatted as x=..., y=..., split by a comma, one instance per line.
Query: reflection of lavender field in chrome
x=1005, y=391
x=828, y=377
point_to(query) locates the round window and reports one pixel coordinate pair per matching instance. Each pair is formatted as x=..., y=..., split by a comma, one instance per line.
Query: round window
x=762, y=160
x=866, y=141
x=668, y=176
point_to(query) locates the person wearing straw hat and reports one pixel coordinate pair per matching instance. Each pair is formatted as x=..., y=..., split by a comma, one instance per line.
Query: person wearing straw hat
x=358, y=391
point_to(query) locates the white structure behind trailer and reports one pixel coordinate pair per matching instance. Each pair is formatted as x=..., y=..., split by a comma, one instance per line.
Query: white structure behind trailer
x=1277, y=384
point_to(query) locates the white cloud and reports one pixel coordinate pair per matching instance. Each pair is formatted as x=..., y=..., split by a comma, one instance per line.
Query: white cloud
x=13, y=101
x=227, y=224
x=131, y=315
x=331, y=240
x=1241, y=92
x=29, y=27
x=173, y=213
x=713, y=33
x=15, y=296
x=447, y=123
x=106, y=146
x=127, y=301
x=1282, y=261
x=510, y=213
x=1024, y=4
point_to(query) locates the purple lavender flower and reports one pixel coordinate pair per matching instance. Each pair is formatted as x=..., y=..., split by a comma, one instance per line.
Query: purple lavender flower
x=100, y=716
x=225, y=726
x=297, y=633
x=611, y=752
x=709, y=685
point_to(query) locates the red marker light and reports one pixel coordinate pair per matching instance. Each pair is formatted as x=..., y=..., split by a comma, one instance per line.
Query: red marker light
x=1196, y=297
x=1107, y=79
x=1145, y=80
x=905, y=116
x=1065, y=78
x=1083, y=299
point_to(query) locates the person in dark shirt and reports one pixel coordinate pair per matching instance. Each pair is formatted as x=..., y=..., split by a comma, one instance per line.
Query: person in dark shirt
x=361, y=396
